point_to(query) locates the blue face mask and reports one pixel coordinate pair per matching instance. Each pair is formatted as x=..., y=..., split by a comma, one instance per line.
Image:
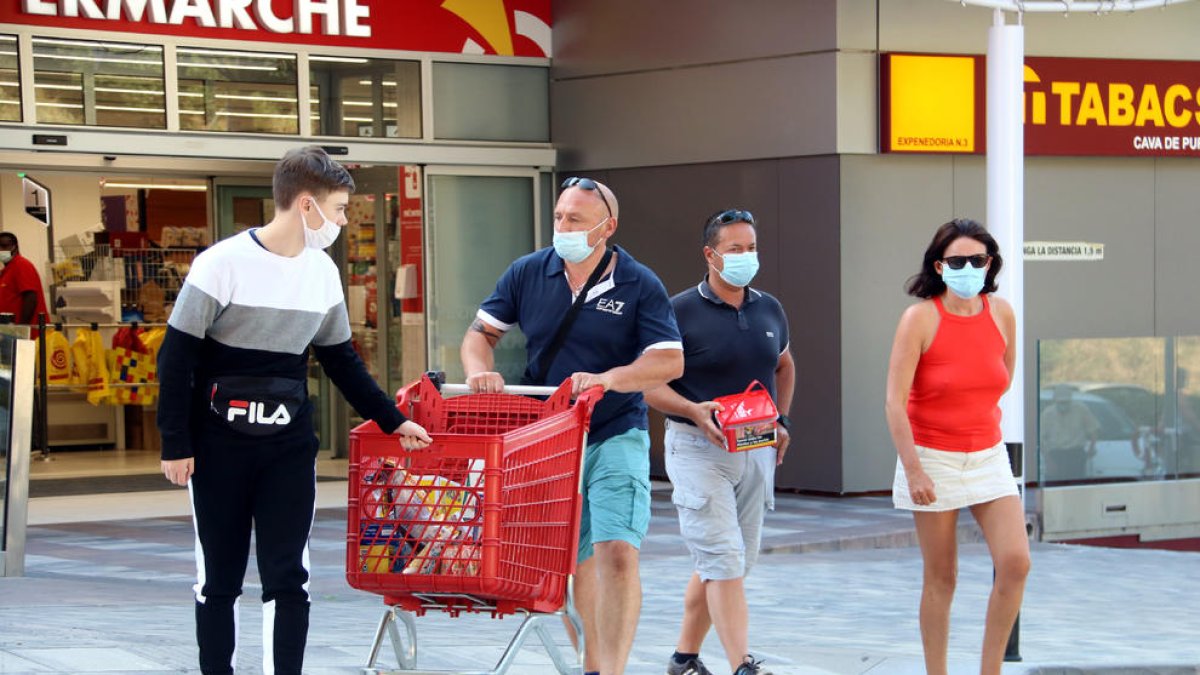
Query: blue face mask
x=965, y=283
x=739, y=268
x=573, y=246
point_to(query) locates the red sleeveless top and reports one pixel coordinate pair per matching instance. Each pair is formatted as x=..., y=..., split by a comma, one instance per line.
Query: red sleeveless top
x=954, y=401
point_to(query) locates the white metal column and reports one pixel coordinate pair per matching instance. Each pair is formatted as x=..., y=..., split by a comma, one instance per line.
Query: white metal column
x=1006, y=197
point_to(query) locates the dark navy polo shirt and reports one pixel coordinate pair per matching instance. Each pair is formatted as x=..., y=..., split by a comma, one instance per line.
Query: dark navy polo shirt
x=625, y=314
x=727, y=348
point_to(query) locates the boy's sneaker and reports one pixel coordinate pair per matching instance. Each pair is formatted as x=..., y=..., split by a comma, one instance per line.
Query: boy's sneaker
x=693, y=666
x=751, y=667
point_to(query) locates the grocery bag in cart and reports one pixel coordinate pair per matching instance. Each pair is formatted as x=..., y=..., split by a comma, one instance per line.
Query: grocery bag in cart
x=486, y=519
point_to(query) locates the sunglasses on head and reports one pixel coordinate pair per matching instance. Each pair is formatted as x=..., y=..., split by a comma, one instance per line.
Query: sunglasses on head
x=957, y=262
x=587, y=184
x=734, y=216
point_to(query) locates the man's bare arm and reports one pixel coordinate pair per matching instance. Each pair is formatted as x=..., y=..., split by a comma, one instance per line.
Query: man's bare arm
x=478, y=355
x=492, y=333
x=653, y=368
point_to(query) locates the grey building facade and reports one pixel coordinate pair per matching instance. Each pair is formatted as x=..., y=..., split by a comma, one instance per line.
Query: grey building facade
x=685, y=107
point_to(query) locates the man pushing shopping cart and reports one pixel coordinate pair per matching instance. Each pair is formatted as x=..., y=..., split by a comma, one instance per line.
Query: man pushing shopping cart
x=440, y=528
x=593, y=315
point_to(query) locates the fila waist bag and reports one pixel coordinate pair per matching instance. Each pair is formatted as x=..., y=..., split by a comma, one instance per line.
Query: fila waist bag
x=256, y=406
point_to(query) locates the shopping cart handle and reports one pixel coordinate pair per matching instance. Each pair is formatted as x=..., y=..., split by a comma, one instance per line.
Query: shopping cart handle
x=426, y=389
x=590, y=396
x=518, y=389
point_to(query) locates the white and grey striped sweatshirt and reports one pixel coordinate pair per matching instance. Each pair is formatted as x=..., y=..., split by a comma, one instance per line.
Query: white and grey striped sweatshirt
x=244, y=311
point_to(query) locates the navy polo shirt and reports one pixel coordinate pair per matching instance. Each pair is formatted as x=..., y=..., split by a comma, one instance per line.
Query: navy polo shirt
x=624, y=314
x=726, y=348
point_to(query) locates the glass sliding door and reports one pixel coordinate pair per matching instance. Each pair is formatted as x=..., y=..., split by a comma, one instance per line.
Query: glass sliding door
x=240, y=206
x=478, y=224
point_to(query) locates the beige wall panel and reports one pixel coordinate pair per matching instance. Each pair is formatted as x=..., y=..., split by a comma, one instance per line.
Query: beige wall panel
x=1177, y=246
x=857, y=103
x=890, y=208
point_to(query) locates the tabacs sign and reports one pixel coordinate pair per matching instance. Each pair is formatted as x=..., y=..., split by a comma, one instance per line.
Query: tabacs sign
x=1077, y=107
x=1112, y=107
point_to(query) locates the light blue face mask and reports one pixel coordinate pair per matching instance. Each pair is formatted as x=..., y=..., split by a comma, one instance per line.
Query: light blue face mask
x=739, y=268
x=573, y=246
x=966, y=282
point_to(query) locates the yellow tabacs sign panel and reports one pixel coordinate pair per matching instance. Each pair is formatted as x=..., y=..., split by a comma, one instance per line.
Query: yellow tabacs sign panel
x=929, y=103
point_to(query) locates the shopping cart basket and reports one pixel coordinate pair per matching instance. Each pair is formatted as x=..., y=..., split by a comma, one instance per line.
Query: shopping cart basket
x=484, y=520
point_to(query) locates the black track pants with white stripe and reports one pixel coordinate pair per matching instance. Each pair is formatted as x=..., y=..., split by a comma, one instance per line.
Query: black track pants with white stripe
x=271, y=487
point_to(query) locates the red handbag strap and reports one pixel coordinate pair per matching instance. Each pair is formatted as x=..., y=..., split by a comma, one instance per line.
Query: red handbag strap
x=751, y=386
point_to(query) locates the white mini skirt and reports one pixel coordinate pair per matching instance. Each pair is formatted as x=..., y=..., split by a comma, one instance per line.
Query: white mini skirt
x=960, y=479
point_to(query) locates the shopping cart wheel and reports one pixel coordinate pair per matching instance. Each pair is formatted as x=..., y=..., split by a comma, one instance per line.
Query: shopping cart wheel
x=565, y=662
x=406, y=655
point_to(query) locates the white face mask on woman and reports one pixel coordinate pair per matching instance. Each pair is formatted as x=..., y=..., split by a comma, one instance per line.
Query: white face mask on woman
x=322, y=237
x=965, y=282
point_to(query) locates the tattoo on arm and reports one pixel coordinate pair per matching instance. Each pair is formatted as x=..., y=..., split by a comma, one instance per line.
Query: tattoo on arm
x=488, y=332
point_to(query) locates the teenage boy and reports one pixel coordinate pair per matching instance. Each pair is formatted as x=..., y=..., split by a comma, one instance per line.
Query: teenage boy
x=236, y=421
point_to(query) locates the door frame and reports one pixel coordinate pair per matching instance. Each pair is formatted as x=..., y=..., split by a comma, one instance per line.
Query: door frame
x=215, y=183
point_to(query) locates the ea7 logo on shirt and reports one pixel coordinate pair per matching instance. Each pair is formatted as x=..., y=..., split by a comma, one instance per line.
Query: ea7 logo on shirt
x=255, y=413
x=609, y=305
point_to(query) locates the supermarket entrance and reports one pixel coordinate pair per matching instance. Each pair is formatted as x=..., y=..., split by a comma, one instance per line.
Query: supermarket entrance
x=123, y=243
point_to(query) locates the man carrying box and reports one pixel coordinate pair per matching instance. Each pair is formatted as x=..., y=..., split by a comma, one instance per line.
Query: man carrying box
x=732, y=336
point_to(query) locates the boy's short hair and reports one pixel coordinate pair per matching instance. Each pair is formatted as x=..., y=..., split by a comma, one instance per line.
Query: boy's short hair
x=307, y=169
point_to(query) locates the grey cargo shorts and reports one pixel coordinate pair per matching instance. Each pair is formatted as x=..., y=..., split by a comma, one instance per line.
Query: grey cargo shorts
x=721, y=498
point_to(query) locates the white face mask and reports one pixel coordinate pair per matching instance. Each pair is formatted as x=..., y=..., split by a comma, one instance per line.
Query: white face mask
x=324, y=236
x=573, y=246
x=5, y=256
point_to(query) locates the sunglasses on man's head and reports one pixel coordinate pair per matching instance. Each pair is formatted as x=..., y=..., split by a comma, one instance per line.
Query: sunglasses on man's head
x=587, y=184
x=957, y=262
x=734, y=216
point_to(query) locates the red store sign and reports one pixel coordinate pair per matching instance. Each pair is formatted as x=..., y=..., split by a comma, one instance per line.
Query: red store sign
x=1112, y=107
x=498, y=27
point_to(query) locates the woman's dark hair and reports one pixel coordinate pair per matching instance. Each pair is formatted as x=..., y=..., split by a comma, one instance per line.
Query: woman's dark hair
x=928, y=283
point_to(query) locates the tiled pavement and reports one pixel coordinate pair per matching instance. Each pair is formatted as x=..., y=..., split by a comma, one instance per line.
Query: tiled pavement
x=113, y=596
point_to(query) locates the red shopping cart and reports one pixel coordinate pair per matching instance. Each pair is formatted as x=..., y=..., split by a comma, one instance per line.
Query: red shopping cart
x=485, y=520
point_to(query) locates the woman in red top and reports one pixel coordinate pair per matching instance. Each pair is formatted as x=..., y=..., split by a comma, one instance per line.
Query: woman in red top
x=952, y=359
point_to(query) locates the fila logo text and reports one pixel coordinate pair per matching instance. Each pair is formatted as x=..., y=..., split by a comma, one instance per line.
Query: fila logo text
x=255, y=413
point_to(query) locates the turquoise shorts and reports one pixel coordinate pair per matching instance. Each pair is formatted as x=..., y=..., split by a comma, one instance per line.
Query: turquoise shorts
x=616, y=491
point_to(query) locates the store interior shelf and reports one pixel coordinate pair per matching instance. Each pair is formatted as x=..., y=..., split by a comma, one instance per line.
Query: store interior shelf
x=89, y=301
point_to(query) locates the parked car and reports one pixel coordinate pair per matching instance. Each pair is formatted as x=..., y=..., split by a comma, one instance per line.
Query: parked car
x=1143, y=406
x=1169, y=442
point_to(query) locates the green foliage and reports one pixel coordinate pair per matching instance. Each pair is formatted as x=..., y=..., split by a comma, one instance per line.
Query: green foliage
x=1137, y=361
